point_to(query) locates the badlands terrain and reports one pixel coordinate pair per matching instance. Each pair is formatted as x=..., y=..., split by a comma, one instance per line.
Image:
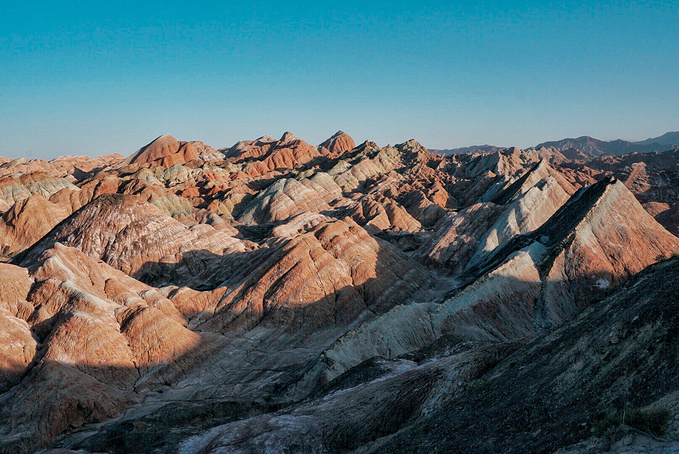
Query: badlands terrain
x=282, y=297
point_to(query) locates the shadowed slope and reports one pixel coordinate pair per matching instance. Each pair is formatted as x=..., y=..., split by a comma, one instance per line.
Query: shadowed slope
x=621, y=353
x=127, y=233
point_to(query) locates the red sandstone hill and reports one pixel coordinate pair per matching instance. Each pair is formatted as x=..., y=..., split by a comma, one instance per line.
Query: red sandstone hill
x=165, y=151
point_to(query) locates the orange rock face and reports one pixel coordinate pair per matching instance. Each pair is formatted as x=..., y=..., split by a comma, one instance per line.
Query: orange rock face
x=165, y=151
x=27, y=221
x=338, y=144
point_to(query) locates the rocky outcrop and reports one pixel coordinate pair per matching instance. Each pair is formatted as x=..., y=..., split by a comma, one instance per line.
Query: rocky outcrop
x=598, y=238
x=288, y=197
x=577, y=391
x=15, y=188
x=15, y=284
x=26, y=222
x=652, y=177
x=139, y=239
x=338, y=144
x=164, y=151
x=379, y=213
x=446, y=397
x=103, y=335
x=17, y=349
x=330, y=273
x=536, y=280
x=206, y=152
x=459, y=235
x=529, y=203
x=267, y=155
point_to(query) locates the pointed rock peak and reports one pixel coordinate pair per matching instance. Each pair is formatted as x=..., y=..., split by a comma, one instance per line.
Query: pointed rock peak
x=367, y=145
x=585, y=200
x=339, y=135
x=533, y=174
x=339, y=143
x=165, y=150
x=288, y=137
x=164, y=138
x=541, y=169
x=601, y=217
x=413, y=146
x=411, y=143
x=166, y=141
x=541, y=165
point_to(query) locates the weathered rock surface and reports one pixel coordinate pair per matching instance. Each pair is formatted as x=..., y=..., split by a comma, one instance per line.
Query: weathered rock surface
x=530, y=202
x=617, y=355
x=136, y=237
x=26, y=222
x=17, y=349
x=266, y=155
x=449, y=396
x=15, y=188
x=165, y=151
x=15, y=283
x=288, y=197
x=338, y=143
x=459, y=235
x=276, y=295
x=103, y=335
x=536, y=280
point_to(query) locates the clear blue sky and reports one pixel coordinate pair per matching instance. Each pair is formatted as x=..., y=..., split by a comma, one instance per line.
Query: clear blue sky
x=100, y=77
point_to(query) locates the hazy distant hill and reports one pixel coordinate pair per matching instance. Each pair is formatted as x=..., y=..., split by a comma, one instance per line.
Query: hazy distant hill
x=586, y=146
x=472, y=149
x=669, y=138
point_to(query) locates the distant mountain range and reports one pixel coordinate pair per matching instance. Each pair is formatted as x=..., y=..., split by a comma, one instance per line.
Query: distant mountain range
x=472, y=149
x=586, y=147
x=669, y=138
